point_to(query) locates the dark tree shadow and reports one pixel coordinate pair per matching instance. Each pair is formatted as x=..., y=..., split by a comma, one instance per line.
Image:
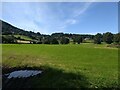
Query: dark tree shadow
x=50, y=78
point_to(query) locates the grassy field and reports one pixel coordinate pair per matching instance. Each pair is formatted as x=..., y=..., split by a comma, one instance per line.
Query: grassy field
x=72, y=66
x=22, y=37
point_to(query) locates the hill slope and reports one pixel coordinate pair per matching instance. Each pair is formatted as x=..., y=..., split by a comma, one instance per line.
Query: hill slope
x=18, y=34
x=9, y=29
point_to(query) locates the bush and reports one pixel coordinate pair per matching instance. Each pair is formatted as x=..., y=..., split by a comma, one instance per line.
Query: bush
x=39, y=42
x=54, y=41
x=117, y=38
x=64, y=40
x=108, y=37
x=98, y=38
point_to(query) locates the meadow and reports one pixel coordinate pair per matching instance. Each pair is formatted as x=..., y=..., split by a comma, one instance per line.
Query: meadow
x=73, y=66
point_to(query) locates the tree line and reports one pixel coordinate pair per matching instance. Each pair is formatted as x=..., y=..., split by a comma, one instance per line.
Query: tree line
x=61, y=38
x=107, y=37
x=8, y=32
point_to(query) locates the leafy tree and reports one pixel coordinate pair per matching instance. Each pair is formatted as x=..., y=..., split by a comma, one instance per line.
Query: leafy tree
x=46, y=40
x=38, y=33
x=64, y=40
x=19, y=38
x=34, y=42
x=77, y=39
x=4, y=40
x=39, y=42
x=54, y=41
x=0, y=39
x=98, y=38
x=117, y=38
x=108, y=37
x=9, y=39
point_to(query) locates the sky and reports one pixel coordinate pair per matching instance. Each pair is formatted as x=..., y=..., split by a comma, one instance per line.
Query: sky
x=67, y=17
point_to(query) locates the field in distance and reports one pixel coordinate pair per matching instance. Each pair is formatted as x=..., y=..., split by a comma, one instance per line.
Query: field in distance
x=78, y=66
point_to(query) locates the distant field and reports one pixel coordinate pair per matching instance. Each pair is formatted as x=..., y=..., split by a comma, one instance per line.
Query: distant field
x=85, y=65
x=22, y=37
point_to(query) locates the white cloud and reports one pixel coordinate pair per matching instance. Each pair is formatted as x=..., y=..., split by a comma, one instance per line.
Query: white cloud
x=80, y=11
x=71, y=21
x=76, y=12
x=43, y=17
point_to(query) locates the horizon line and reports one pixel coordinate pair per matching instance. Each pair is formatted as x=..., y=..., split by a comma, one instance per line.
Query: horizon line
x=92, y=33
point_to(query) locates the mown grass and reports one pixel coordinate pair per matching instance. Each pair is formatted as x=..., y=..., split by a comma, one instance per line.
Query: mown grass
x=22, y=37
x=85, y=65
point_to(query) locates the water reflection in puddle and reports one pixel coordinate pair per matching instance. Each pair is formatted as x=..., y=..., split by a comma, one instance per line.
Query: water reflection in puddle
x=23, y=73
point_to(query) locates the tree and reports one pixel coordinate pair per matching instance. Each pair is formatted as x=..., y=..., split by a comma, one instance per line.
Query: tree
x=39, y=42
x=117, y=38
x=34, y=42
x=9, y=39
x=46, y=40
x=18, y=38
x=64, y=40
x=4, y=40
x=0, y=39
x=108, y=37
x=77, y=39
x=54, y=41
x=38, y=33
x=98, y=38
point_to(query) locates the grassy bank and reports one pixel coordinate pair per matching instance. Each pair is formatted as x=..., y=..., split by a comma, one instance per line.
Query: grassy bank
x=85, y=65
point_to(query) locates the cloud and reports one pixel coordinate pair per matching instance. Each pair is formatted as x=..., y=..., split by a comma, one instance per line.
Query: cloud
x=79, y=12
x=59, y=16
x=44, y=17
x=71, y=21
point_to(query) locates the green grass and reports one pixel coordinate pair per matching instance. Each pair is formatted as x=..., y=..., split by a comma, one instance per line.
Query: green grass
x=88, y=41
x=23, y=37
x=86, y=65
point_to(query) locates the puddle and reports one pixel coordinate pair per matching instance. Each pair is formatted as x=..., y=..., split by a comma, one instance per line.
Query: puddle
x=23, y=73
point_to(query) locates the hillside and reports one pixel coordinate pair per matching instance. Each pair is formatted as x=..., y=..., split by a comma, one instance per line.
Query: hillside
x=9, y=29
x=11, y=34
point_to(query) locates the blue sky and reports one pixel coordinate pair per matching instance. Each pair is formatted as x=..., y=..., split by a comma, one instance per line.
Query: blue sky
x=67, y=17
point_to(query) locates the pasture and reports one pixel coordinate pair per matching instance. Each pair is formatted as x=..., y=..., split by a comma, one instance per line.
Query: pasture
x=73, y=66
